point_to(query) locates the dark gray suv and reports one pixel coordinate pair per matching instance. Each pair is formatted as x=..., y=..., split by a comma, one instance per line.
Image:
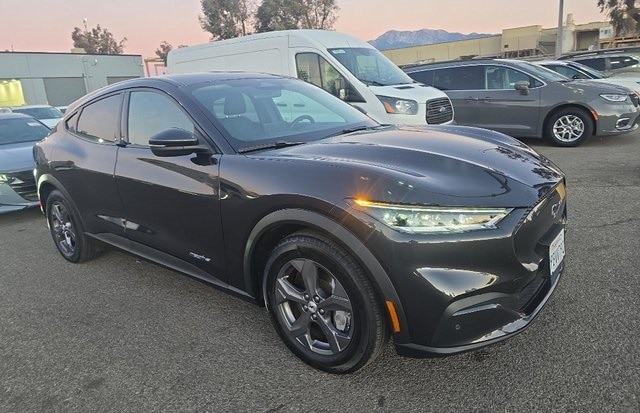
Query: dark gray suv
x=525, y=100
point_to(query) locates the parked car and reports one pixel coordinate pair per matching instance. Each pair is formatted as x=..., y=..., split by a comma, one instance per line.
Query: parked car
x=62, y=109
x=448, y=237
x=525, y=100
x=18, y=133
x=578, y=71
x=613, y=63
x=46, y=114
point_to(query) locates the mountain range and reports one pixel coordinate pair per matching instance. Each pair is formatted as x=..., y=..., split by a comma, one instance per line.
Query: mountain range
x=394, y=39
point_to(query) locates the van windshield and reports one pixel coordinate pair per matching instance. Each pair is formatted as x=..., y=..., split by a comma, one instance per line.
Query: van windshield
x=370, y=66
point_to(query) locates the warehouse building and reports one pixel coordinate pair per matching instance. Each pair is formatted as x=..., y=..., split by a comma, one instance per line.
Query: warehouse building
x=515, y=43
x=57, y=79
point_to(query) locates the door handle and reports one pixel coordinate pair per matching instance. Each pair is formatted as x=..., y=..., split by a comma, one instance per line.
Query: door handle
x=485, y=99
x=471, y=99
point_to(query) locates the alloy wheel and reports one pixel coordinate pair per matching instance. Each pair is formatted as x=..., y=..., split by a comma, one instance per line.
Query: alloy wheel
x=568, y=128
x=314, y=307
x=62, y=228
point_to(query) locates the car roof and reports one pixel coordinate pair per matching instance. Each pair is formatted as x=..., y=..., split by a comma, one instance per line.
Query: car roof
x=31, y=106
x=14, y=115
x=177, y=80
x=466, y=62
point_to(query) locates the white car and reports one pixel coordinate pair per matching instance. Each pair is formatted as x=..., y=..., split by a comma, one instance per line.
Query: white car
x=46, y=114
x=575, y=70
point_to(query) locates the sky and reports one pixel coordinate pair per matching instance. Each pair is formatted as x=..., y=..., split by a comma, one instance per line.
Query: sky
x=46, y=25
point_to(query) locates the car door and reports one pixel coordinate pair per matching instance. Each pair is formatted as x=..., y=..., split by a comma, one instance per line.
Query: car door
x=503, y=108
x=462, y=84
x=172, y=203
x=88, y=147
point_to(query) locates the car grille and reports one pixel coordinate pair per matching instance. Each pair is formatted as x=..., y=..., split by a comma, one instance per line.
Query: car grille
x=23, y=184
x=634, y=99
x=439, y=111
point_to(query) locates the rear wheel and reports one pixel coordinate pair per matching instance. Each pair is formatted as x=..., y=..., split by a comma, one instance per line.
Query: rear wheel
x=569, y=127
x=323, y=305
x=66, y=230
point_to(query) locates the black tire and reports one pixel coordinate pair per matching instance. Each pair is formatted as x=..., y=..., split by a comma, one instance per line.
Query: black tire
x=322, y=304
x=569, y=127
x=66, y=229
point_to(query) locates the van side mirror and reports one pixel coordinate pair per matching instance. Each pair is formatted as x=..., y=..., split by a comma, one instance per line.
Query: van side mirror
x=175, y=142
x=522, y=86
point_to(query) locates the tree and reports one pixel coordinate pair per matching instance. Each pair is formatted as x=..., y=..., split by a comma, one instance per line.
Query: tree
x=624, y=15
x=226, y=19
x=97, y=40
x=318, y=14
x=295, y=14
x=163, y=51
x=277, y=15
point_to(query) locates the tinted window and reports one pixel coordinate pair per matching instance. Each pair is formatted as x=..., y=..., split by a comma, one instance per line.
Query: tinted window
x=425, y=76
x=150, y=113
x=594, y=62
x=459, y=78
x=101, y=120
x=21, y=130
x=618, y=62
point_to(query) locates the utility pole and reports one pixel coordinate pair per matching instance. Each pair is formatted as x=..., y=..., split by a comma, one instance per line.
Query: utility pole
x=560, y=32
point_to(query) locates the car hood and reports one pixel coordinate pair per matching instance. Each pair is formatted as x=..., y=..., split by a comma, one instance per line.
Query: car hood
x=16, y=157
x=620, y=81
x=413, y=91
x=452, y=161
x=580, y=86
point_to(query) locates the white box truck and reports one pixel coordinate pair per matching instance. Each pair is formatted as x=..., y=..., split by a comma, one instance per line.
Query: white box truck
x=347, y=67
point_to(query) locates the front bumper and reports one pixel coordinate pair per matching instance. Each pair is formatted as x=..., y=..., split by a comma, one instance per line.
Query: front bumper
x=461, y=292
x=19, y=193
x=618, y=122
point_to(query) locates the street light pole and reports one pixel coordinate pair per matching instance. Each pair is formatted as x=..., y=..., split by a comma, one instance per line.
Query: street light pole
x=560, y=33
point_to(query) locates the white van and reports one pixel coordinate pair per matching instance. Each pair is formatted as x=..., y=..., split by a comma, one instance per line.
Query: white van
x=347, y=67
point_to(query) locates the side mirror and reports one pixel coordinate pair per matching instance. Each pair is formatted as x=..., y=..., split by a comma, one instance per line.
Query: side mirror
x=522, y=86
x=174, y=142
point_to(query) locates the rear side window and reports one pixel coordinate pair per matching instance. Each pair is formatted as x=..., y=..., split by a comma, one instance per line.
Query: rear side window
x=594, y=62
x=424, y=76
x=618, y=62
x=100, y=120
x=569, y=72
x=459, y=78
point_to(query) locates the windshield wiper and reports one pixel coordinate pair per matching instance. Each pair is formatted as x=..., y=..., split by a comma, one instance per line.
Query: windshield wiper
x=371, y=82
x=357, y=129
x=271, y=145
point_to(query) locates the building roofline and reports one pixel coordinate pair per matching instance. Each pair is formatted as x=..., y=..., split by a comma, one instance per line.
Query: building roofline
x=68, y=53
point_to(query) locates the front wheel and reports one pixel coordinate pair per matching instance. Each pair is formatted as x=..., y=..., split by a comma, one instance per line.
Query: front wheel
x=569, y=127
x=322, y=304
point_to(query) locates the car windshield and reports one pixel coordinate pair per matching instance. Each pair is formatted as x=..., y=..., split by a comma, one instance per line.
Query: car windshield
x=544, y=73
x=594, y=73
x=370, y=66
x=18, y=130
x=262, y=111
x=41, y=113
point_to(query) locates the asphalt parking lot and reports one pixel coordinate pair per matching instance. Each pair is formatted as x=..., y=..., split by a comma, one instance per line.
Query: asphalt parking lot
x=120, y=334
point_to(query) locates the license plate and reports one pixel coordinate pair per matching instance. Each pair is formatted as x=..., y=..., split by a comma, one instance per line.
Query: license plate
x=556, y=252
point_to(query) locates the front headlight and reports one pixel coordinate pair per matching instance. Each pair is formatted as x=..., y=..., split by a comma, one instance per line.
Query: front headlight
x=399, y=106
x=429, y=220
x=614, y=97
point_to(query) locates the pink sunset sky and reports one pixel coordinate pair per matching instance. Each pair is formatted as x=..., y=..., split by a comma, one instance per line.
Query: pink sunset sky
x=46, y=25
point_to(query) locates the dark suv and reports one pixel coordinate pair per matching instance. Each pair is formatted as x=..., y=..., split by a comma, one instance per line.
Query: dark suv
x=448, y=238
x=526, y=100
x=608, y=63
